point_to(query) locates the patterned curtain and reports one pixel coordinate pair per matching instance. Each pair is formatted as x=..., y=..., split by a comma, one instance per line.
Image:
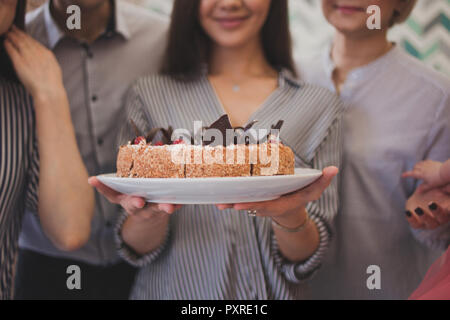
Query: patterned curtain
x=425, y=35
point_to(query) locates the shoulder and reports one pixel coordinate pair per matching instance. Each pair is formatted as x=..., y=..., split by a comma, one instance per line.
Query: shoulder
x=421, y=76
x=161, y=83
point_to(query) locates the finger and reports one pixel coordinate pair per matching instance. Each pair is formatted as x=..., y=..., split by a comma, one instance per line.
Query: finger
x=167, y=208
x=413, y=220
x=441, y=215
x=13, y=52
x=426, y=219
x=262, y=208
x=315, y=190
x=25, y=39
x=110, y=194
x=224, y=206
x=424, y=187
x=413, y=174
x=16, y=41
x=133, y=205
x=446, y=189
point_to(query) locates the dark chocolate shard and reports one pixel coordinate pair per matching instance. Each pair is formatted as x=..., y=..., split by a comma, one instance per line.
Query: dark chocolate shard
x=278, y=125
x=250, y=125
x=137, y=132
x=222, y=125
x=166, y=135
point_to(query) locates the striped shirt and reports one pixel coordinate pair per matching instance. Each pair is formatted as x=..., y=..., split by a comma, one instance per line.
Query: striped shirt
x=212, y=254
x=19, y=165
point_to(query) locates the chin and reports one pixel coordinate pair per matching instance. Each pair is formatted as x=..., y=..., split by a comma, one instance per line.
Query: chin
x=349, y=26
x=231, y=42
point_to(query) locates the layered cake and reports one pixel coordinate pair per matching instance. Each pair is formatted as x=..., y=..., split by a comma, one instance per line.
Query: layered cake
x=179, y=159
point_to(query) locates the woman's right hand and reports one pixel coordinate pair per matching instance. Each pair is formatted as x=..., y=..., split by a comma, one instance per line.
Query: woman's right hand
x=134, y=206
x=35, y=65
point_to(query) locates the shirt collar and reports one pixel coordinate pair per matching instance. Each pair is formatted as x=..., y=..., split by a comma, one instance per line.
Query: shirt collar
x=360, y=72
x=286, y=76
x=54, y=33
x=117, y=24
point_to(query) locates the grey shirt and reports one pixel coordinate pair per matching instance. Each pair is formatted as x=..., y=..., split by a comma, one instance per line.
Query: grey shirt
x=96, y=77
x=397, y=112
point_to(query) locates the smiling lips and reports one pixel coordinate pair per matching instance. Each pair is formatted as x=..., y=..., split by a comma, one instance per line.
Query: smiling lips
x=231, y=22
x=348, y=9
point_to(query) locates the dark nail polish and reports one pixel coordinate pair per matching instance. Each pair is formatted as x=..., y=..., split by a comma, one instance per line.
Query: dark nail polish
x=419, y=212
x=433, y=206
x=408, y=214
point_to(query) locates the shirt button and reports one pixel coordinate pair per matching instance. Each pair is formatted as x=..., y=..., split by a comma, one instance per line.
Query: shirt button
x=100, y=141
x=94, y=98
x=109, y=224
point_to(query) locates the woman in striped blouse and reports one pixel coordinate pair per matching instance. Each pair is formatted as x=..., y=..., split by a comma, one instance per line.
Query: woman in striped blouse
x=232, y=57
x=33, y=104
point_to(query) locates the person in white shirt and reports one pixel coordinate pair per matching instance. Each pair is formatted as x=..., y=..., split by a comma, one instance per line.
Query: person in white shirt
x=397, y=113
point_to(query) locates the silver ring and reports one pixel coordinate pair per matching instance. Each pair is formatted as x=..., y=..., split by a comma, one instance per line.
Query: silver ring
x=252, y=213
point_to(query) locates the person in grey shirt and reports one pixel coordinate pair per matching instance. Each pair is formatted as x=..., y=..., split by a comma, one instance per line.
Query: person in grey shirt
x=397, y=112
x=117, y=43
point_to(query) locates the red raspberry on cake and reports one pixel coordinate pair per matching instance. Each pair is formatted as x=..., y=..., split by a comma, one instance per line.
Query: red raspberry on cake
x=139, y=140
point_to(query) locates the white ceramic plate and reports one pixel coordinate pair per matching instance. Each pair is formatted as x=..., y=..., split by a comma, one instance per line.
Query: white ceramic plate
x=212, y=190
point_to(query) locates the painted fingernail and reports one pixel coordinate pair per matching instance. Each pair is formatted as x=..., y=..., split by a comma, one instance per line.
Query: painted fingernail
x=433, y=206
x=419, y=212
x=408, y=214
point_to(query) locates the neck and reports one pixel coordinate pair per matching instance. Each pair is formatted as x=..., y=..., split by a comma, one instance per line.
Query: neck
x=247, y=60
x=93, y=20
x=351, y=52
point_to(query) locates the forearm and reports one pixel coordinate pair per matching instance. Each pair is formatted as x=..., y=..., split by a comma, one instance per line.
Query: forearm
x=66, y=201
x=145, y=235
x=297, y=246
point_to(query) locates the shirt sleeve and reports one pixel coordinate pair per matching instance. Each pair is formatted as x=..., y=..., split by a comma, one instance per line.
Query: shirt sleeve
x=438, y=150
x=322, y=212
x=128, y=254
x=135, y=114
x=32, y=180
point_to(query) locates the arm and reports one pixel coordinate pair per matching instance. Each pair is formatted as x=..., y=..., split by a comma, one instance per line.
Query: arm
x=303, y=251
x=66, y=201
x=143, y=230
x=427, y=210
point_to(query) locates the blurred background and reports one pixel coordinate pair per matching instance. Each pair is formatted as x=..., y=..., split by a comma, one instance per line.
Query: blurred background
x=426, y=35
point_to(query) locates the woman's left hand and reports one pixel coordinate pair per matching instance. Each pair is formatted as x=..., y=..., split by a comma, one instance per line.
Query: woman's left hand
x=290, y=207
x=428, y=209
x=35, y=65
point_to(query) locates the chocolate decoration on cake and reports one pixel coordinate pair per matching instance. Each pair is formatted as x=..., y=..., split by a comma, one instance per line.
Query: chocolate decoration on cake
x=222, y=124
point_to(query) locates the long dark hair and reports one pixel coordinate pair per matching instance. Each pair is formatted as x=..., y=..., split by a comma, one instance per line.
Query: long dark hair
x=189, y=47
x=6, y=66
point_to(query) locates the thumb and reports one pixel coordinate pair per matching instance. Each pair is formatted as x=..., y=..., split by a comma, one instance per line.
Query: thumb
x=328, y=175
